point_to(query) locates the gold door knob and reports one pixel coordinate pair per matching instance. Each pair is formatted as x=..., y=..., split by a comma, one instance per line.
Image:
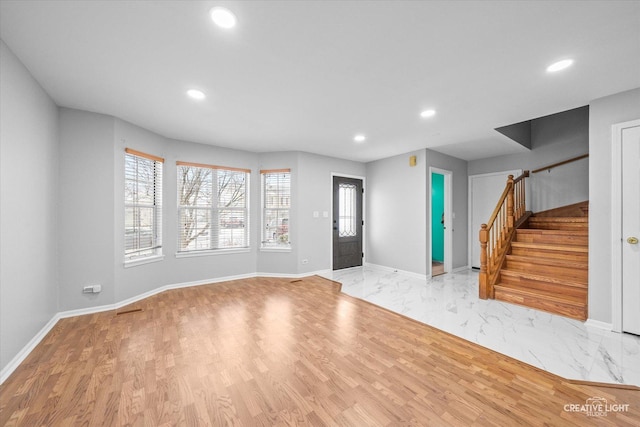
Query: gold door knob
x=632, y=240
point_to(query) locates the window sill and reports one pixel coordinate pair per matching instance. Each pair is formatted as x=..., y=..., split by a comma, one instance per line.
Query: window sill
x=212, y=252
x=142, y=261
x=275, y=249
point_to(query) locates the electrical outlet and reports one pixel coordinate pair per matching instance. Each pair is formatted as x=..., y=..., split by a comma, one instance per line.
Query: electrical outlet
x=92, y=289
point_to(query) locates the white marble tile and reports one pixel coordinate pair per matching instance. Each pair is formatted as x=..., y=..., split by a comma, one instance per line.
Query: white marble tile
x=450, y=302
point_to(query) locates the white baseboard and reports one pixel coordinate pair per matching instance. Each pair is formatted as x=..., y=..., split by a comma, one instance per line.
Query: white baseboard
x=459, y=269
x=27, y=349
x=599, y=325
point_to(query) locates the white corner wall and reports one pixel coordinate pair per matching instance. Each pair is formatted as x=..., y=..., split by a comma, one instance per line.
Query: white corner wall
x=604, y=112
x=29, y=189
x=396, y=206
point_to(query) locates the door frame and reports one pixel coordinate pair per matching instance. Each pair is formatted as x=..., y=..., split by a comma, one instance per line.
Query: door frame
x=616, y=222
x=448, y=220
x=364, y=217
x=474, y=239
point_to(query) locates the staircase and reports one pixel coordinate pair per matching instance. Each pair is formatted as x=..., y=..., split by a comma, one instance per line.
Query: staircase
x=547, y=265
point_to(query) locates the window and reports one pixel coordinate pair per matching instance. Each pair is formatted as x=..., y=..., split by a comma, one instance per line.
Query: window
x=276, y=204
x=213, y=207
x=347, y=210
x=142, y=205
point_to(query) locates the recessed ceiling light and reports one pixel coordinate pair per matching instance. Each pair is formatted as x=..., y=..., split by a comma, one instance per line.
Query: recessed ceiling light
x=560, y=65
x=428, y=113
x=222, y=17
x=359, y=138
x=196, y=94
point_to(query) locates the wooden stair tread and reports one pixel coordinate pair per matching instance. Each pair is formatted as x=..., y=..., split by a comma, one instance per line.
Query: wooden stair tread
x=552, y=232
x=559, y=219
x=549, y=261
x=564, y=281
x=549, y=296
x=552, y=247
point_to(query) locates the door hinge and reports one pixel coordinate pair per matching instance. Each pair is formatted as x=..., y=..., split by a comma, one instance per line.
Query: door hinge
x=362, y=254
x=363, y=222
x=362, y=190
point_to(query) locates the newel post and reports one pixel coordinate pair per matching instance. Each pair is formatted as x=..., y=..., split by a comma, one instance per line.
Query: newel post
x=484, y=274
x=510, y=218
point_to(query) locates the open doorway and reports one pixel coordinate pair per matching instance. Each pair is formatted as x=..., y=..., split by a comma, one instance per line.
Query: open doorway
x=440, y=221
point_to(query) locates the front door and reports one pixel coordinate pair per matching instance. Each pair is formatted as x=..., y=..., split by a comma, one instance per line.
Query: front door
x=347, y=222
x=631, y=230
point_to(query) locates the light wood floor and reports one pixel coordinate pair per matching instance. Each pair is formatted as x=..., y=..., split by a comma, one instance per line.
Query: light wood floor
x=280, y=352
x=437, y=268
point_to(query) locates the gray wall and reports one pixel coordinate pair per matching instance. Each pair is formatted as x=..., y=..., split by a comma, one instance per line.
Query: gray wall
x=86, y=208
x=397, y=206
x=314, y=193
x=96, y=143
x=29, y=190
x=460, y=202
x=553, y=138
x=605, y=112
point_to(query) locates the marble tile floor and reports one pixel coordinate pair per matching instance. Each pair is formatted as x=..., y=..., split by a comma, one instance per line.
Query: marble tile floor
x=450, y=302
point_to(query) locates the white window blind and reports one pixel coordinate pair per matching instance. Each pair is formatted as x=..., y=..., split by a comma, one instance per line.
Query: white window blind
x=276, y=206
x=142, y=205
x=213, y=207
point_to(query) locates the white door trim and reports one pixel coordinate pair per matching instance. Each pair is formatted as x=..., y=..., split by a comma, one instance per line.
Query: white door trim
x=473, y=235
x=448, y=220
x=616, y=221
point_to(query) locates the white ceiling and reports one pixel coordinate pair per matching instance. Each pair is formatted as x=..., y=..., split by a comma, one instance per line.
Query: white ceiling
x=309, y=75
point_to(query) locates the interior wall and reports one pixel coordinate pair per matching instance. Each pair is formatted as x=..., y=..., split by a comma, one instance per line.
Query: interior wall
x=86, y=209
x=605, y=112
x=396, y=206
x=28, y=208
x=554, y=138
x=314, y=194
x=460, y=203
x=437, y=210
x=172, y=270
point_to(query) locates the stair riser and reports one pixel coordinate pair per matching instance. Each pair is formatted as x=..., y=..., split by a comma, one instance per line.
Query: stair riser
x=556, y=288
x=556, y=271
x=552, y=238
x=532, y=252
x=539, y=303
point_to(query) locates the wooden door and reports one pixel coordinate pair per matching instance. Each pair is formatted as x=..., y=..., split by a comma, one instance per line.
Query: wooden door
x=347, y=222
x=631, y=230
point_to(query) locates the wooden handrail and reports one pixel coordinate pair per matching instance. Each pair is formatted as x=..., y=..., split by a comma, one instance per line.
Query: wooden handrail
x=501, y=200
x=564, y=162
x=495, y=236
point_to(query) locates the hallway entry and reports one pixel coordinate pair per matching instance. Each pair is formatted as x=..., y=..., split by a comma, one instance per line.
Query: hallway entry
x=440, y=221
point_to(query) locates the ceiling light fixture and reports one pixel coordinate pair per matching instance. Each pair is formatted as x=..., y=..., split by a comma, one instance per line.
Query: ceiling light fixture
x=196, y=94
x=223, y=18
x=560, y=65
x=427, y=113
x=359, y=138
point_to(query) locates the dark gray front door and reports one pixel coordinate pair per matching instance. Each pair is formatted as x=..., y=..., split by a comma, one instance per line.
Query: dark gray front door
x=347, y=222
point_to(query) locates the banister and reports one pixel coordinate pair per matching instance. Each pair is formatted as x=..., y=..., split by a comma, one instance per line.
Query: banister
x=495, y=236
x=524, y=175
x=564, y=162
x=501, y=200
